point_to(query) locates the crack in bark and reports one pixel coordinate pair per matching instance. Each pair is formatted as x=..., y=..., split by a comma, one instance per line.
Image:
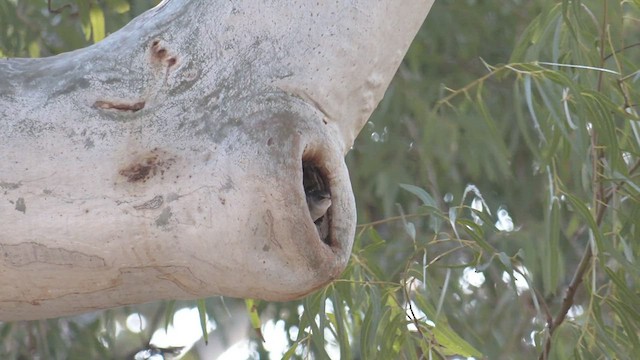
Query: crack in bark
x=27, y=253
x=154, y=203
x=181, y=276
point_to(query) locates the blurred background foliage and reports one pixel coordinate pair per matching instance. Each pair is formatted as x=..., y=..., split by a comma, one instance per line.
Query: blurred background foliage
x=498, y=191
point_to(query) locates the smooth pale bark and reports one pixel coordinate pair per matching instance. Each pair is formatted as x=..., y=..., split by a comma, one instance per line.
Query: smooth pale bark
x=165, y=162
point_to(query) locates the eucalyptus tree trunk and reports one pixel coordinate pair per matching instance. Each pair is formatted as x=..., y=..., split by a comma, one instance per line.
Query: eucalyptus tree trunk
x=174, y=159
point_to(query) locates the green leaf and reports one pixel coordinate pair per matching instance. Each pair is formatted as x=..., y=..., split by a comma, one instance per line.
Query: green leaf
x=314, y=305
x=34, y=49
x=254, y=317
x=505, y=260
x=410, y=228
x=550, y=254
x=96, y=18
x=447, y=338
x=292, y=351
x=202, y=310
x=342, y=326
x=394, y=333
x=370, y=324
x=120, y=6
x=169, y=311
x=427, y=200
x=586, y=215
x=477, y=234
x=452, y=343
x=532, y=112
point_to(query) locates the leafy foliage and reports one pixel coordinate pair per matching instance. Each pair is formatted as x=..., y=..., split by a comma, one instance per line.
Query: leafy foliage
x=539, y=258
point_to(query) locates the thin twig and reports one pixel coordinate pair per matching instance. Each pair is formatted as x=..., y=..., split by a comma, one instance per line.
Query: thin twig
x=621, y=50
x=601, y=201
x=567, y=302
x=390, y=219
x=413, y=317
x=583, y=265
x=61, y=8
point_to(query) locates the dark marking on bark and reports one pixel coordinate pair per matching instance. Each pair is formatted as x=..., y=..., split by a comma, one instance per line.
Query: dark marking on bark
x=154, y=203
x=88, y=143
x=21, y=206
x=269, y=221
x=28, y=253
x=146, y=166
x=9, y=186
x=227, y=186
x=158, y=52
x=105, y=105
x=160, y=55
x=270, y=142
x=163, y=219
x=140, y=171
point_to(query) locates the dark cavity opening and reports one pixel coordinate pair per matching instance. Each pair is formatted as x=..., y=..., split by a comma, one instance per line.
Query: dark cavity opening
x=318, y=196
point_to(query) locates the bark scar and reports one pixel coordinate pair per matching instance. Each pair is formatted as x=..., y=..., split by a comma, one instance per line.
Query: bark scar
x=151, y=204
x=144, y=167
x=160, y=55
x=120, y=106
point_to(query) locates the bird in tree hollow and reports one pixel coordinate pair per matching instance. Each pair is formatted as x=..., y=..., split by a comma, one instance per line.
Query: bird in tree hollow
x=318, y=202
